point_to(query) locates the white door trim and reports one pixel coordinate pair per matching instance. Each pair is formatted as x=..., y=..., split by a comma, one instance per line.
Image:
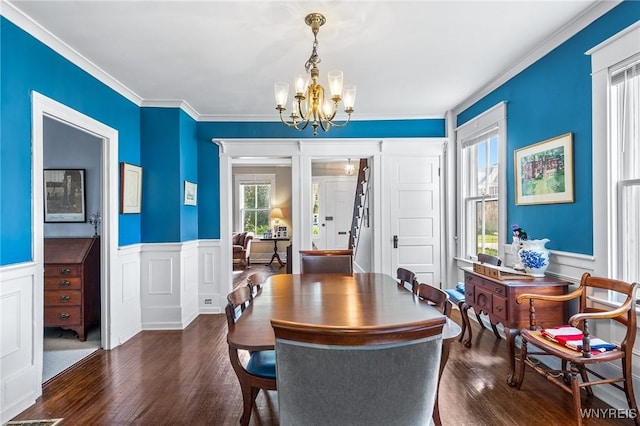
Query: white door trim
x=43, y=106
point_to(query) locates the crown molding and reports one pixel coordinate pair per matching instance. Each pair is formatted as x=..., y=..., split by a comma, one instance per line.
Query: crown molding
x=172, y=103
x=562, y=35
x=30, y=26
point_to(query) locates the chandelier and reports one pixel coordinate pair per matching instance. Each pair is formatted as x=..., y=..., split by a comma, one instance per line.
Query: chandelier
x=311, y=105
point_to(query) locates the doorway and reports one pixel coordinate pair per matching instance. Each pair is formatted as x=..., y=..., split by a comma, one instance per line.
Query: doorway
x=44, y=108
x=333, y=201
x=73, y=150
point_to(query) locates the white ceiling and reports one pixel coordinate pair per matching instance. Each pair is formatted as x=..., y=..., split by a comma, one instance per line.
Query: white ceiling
x=409, y=59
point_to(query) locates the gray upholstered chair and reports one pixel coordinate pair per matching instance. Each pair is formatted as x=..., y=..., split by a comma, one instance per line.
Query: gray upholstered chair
x=388, y=384
x=326, y=262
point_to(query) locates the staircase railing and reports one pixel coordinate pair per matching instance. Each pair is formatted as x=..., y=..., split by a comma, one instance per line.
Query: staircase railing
x=360, y=205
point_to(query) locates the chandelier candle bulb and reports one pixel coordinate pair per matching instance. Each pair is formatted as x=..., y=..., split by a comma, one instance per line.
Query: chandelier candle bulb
x=282, y=93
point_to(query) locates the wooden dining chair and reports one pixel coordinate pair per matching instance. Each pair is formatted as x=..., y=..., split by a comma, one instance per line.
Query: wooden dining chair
x=326, y=262
x=582, y=350
x=255, y=282
x=260, y=370
x=434, y=296
x=406, y=279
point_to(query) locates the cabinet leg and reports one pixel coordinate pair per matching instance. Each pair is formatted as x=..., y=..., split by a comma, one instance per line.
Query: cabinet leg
x=464, y=312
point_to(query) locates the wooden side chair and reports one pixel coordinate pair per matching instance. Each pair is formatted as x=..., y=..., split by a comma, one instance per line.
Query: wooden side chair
x=326, y=262
x=586, y=349
x=260, y=371
x=255, y=282
x=439, y=299
x=433, y=296
x=406, y=279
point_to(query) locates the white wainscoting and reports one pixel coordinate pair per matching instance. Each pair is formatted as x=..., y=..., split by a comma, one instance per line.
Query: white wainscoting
x=20, y=327
x=125, y=318
x=164, y=296
x=211, y=297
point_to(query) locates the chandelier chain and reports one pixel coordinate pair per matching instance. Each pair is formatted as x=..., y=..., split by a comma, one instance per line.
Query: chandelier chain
x=314, y=59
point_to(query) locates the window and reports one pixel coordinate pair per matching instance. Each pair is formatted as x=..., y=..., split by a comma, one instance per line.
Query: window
x=480, y=157
x=481, y=178
x=625, y=166
x=615, y=70
x=254, y=195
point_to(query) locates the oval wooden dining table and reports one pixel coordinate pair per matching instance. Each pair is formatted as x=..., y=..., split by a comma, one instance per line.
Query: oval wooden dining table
x=358, y=309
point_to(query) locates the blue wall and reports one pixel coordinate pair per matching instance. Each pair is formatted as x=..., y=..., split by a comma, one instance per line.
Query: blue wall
x=189, y=171
x=551, y=97
x=355, y=129
x=548, y=99
x=29, y=65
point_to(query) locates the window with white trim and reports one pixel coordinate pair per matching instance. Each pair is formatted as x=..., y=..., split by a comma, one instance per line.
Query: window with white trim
x=254, y=194
x=616, y=158
x=481, y=183
x=624, y=122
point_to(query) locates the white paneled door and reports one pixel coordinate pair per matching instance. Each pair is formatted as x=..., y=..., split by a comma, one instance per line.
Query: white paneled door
x=415, y=216
x=335, y=201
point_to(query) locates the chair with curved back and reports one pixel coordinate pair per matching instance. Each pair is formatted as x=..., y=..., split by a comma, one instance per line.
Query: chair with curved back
x=255, y=282
x=582, y=350
x=406, y=279
x=433, y=296
x=439, y=299
x=326, y=262
x=260, y=371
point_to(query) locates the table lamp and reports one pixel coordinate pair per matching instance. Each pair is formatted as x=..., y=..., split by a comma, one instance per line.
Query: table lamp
x=276, y=214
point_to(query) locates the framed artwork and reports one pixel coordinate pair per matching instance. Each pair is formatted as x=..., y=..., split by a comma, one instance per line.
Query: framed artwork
x=544, y=172
x=190, y=193
x=64, y=191
x=130, y=188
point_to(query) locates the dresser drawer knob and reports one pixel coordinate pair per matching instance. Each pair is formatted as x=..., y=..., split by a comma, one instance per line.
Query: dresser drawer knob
x=499, y=308
x=64, y=298
x=64, y=315
x=64, y=283
x=65, y=271
x=498, y=289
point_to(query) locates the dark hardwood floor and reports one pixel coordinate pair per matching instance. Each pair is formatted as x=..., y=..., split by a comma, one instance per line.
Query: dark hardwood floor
x=185, y=378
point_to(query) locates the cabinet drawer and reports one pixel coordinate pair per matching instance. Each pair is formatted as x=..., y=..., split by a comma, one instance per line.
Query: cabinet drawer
x=483, y=300
x=62, y=315
x=61, y=283
x=61, y=271
x=62, y=297
x=499, y=307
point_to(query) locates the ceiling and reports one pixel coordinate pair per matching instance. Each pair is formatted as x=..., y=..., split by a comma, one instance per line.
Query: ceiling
x=409, y=59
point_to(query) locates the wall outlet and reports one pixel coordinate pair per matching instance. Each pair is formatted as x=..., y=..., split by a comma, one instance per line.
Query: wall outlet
x=207, y=301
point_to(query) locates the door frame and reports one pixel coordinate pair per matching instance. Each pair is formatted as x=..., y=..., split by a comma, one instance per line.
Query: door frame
x=301, y=152
x=42, y=106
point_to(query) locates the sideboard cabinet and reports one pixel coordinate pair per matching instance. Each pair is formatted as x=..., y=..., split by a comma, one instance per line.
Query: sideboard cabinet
x=72, y=283
x=497, y=299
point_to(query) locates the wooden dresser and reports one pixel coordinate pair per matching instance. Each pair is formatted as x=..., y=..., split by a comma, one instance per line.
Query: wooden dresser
x=497, y=299
x=72, y=283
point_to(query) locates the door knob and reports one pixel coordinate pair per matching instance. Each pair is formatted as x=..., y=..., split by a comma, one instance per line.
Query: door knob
x=395, y=241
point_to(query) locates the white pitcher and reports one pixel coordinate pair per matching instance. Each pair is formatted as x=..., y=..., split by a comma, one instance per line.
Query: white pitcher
x=535, y=256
